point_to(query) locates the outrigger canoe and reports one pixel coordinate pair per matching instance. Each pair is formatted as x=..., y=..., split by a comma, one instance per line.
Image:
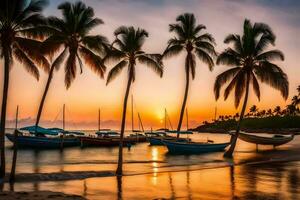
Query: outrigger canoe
x=193, y=147
x=274, y=140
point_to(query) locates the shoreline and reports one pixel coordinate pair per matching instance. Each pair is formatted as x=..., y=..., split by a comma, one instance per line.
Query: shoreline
x=80, y=175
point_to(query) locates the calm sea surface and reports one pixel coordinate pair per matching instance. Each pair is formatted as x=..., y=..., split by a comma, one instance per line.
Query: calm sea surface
x=151, y=173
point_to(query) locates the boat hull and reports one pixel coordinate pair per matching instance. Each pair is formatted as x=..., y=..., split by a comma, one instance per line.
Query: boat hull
x=275, y=141
x=103, y=142
x=193, y=148
x=158, y=141
x=43, y=142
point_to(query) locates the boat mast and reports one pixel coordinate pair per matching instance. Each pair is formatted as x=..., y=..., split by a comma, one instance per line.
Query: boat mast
x=187, y=119
x=64, y=107
x=167, y=116
x=215, y=113
x=132, y=125
x=141, y=123
x=165, y=119
x=99, y=119
x=17, y=115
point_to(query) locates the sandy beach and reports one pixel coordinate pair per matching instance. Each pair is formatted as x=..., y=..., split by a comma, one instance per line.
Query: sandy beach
x=264, y=174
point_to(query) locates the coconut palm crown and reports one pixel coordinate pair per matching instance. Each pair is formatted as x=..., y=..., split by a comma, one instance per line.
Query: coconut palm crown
x=70, y=36
x=189, y=39
x=250, y=61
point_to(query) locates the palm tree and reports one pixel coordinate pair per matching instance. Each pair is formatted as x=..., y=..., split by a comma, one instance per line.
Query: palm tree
x=295, y=101
x=251, y=62
x=127, y=50
x=189, y=39
x=291, y=109
x=70, y=37
x=298, y=90
x=253, y=110
x=277, y=110
x=18, y=19
x=269, y=112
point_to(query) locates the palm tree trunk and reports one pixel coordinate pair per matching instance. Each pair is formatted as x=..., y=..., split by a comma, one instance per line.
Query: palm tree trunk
x=185, y=94
x=14, y=160
x=120, y=160
x=234, y=137
x=44, y=96
x=3, y=113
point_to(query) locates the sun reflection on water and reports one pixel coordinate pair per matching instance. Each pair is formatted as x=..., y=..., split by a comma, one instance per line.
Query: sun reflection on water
x=154, y=153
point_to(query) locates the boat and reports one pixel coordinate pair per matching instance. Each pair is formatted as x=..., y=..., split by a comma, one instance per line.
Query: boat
x=45, y=138
x=175, y=147
x=103, y=142
x=43, y=142
x=137, y=135
x=273, y=139
x=156, y=138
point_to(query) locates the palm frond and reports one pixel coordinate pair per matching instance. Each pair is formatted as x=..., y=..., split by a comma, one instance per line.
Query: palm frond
x=223, y=78
x=70, y=69
x=271, y=55
x=263, y=43
x=206, y=37
x=32, y=48
x=97, y=43
x=229, y=57
x=151, y=62
x=205, y=57
x=207, y=46
x=26, y=62
x=235, y=39
x=113, y=73
x=59, y=59
x=255, y=85
x=192, y=65
x=172, y=51
x=93, y=61
x=273, y=75
x=232, y=84
x=52, y=44
x=240, y=87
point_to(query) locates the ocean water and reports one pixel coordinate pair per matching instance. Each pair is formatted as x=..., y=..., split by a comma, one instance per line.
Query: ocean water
x=151, y=173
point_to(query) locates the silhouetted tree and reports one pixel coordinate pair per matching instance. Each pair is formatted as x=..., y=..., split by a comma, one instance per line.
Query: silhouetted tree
x=251, y=62
x=189, y=39
x=70, y=37
x=127, y=50
x=19, y=40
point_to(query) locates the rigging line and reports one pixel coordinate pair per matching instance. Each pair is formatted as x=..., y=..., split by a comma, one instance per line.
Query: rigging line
x=54, y=120
x=169, y=121
x=71, y=122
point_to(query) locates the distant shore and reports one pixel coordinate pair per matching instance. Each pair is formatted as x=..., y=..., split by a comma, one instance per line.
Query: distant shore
x=274, y=124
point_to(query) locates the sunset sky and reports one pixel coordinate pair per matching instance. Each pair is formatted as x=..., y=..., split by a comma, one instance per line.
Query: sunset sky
x=151, y=93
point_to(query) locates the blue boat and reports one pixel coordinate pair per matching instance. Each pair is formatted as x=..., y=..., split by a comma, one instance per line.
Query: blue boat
x=43, y=142
x=156, y=138
x=193, y=147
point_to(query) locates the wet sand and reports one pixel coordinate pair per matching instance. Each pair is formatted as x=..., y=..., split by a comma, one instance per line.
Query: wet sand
x=151, y=173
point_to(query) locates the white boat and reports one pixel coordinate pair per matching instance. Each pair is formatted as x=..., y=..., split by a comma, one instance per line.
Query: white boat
x=273, y=139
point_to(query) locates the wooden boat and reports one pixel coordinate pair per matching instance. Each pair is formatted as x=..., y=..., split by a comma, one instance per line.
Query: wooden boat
x=43, y=138
x=274, y=140
x=103, y=142
x=43, y=142
x=156, y=138
x=176, y=147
